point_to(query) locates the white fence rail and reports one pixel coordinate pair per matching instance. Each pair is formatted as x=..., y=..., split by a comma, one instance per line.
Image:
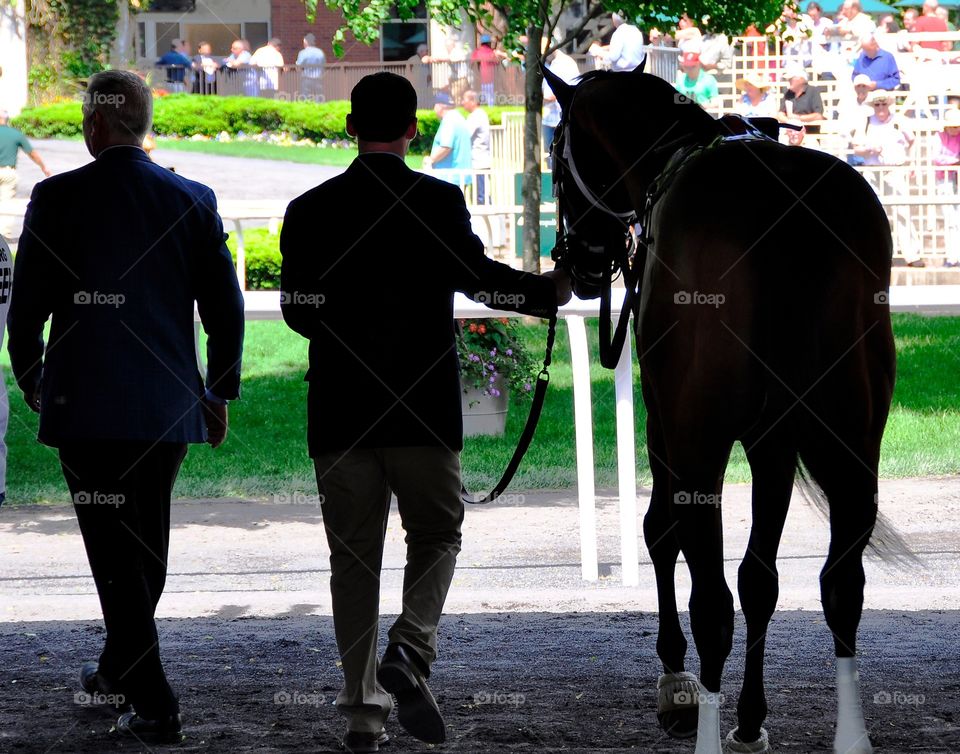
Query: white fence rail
x=931, y=299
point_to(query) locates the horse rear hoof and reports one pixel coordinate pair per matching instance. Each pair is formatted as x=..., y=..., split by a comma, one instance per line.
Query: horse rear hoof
x=677, y=704
x=734, y=746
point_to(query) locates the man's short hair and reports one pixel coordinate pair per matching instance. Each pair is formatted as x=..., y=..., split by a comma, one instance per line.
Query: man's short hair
x=382, y=106
x=123, y=100
x=310, y=38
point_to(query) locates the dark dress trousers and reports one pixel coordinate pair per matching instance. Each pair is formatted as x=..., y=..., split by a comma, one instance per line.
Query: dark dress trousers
x=117, y=252
x=371, y=260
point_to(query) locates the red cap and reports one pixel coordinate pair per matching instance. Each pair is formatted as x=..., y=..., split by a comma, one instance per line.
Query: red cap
x=690, y=58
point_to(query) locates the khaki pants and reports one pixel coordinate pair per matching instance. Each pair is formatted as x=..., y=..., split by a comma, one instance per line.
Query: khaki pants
x=356, y=488
x=8, y=190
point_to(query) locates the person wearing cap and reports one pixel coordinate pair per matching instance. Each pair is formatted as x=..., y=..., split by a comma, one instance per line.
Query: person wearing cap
x=694, y=82
x=486, y=59
x=451, y=148
x=853, y=113
x=375, y=299
x=801, y=102
x=948, y=154
x=756, y=101
x=625, y=51
x=879, y=65
x=12, y=141
x=176, y=64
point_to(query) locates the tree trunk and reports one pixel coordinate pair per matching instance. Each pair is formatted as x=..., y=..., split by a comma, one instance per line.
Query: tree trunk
x=531, y=151
x=120, y=55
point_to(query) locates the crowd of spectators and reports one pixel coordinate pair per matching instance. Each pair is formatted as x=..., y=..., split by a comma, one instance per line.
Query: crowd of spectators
x=256, y=72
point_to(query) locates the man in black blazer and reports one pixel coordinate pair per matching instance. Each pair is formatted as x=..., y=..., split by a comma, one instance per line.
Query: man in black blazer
x=371, y=261
x=117, y=252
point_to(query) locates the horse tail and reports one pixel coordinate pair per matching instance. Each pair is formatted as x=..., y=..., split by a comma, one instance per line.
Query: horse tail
x=886, y=542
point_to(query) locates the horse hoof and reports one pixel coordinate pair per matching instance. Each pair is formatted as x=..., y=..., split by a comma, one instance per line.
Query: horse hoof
x=734, y=746
x=677, y=704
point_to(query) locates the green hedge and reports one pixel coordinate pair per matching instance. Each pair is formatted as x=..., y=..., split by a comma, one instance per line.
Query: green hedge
x=190, y=114
x=261, y=253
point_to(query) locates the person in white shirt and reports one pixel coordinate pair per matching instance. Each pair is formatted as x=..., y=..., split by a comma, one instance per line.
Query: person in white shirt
x=478, y=124
x=625, y=51
x=312, y=59
x=269, y=60
x=885, y=140
x=566, y=68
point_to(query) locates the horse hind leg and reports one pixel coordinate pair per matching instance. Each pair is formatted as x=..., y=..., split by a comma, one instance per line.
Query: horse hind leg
x=676, y=688
x=695, y=505
x=849, y=482
x=772, y=465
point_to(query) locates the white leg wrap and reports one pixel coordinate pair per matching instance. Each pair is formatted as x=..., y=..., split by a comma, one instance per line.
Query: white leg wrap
x=708, y=723
x=851, y=737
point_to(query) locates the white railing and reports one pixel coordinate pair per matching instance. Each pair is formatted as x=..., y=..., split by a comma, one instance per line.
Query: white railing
x=930, y=299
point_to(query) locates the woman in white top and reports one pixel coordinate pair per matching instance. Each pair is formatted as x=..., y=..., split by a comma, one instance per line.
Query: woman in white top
x=756, y=101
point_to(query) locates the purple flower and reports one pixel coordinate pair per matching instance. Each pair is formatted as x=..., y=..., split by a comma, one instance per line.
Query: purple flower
x=509, y=352
x=493, y=379
x=494, y=392
x=493, y=352
x=528, y=387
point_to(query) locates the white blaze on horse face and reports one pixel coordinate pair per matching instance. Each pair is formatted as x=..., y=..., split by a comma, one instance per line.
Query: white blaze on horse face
x=708, y=723
x=851, y=737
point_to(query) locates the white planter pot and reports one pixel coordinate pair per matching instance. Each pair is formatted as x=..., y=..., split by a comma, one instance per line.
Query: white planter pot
x=484, y=414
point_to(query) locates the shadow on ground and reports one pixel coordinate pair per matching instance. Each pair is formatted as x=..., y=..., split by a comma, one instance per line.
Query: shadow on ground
x=506, y=683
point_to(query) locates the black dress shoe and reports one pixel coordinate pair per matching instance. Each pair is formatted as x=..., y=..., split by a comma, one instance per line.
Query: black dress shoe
x=166, y=730
x=417, y=710
x=99, y=690
x=361, y=742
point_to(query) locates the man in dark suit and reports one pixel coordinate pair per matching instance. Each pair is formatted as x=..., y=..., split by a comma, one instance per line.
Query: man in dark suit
x=375, y=298
x=117, y=252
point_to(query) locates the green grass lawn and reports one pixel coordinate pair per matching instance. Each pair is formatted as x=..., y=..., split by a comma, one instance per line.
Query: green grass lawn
x=266, y=451
x=312, y=155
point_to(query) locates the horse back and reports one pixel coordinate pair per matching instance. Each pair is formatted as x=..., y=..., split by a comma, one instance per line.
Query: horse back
x=767, y=275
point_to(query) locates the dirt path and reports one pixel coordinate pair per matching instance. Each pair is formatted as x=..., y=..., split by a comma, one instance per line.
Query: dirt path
x=532, y=657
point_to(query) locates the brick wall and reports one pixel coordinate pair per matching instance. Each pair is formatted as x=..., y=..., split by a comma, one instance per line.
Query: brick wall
x=289, y=23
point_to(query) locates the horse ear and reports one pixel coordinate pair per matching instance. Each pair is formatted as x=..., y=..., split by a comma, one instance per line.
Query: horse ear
x=643, y=64
x=560, y=88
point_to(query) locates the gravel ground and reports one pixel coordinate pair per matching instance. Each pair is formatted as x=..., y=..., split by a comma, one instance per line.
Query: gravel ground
x=532, y=658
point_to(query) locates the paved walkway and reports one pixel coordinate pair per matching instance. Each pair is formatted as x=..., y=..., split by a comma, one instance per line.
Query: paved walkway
x=233, y=558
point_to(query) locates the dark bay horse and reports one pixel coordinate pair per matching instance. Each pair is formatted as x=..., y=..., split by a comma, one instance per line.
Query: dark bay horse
x=761, y=317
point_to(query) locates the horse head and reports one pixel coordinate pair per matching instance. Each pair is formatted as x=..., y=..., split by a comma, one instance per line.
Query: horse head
x=616, y=134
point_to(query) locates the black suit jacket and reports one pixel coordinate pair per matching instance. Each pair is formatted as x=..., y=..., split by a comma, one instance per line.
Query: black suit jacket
x=371, y=260
x=117, y=252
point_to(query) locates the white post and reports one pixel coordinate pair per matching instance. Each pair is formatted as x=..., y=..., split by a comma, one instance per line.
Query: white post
x=627, y=466
x=583, y=423
x=241, y=255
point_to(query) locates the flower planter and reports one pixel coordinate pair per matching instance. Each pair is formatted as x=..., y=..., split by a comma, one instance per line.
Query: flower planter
x=484, y=414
